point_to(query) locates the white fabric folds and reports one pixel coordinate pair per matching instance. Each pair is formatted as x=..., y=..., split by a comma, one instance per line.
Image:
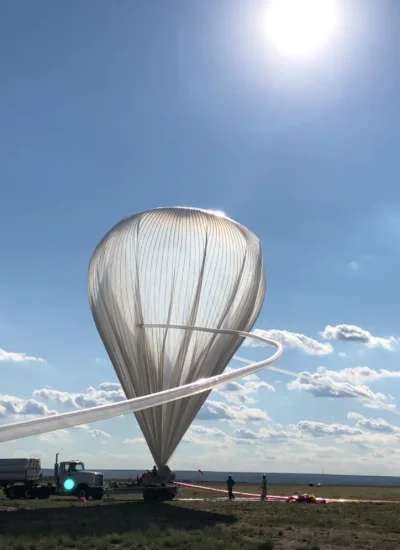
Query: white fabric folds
x=173, y=266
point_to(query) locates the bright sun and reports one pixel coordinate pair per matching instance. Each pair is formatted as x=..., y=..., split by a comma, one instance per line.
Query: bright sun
x=299, y=27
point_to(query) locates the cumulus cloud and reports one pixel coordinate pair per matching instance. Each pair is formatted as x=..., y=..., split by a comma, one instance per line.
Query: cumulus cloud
x=319, y=429
x=376, y=425
x=367, y=434
x=243, y=392
x=370, y=441
x=11, y=406
x=202, y=435
x=107, y=392
x=293, y=340
x=205, y=431
x=357, y=334
x=215, y=410
x=12, y=357
x=321, y=384
x=265, y=434
x=99, y=434
x=110, y=386
x=57, y=437
x=358, y=374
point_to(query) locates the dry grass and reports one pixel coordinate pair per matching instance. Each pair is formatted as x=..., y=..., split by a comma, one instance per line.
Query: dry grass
x=123, y=523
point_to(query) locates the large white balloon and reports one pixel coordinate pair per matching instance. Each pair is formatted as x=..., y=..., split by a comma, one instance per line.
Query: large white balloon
x=173, y=266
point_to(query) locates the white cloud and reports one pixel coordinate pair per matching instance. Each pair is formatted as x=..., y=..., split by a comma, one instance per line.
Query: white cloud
x=202, y=435
x=357, y=334
x=206, y=432
x=242, y=393
x=293, y=340
x=354, y=267
x=215, y=410
x=99, y=434
x=11, y=406
x=57, y=437
x=367, y=433
x=371, y=441
x=323, y=384
x=110, y=386
x=265, y=434
x=12, y=357
x=358, y=374
x=319, y=429
x=376, y=425
x=107, y=392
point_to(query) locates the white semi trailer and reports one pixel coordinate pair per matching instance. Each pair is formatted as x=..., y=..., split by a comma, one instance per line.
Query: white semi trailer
x=23, y=478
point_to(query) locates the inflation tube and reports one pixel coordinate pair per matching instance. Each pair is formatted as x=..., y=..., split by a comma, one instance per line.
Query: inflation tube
x=86, y=416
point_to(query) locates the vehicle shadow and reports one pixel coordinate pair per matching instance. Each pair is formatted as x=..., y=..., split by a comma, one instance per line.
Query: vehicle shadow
x=88, y=520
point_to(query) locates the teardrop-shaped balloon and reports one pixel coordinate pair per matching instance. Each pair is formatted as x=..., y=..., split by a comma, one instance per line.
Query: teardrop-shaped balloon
x=174, y=266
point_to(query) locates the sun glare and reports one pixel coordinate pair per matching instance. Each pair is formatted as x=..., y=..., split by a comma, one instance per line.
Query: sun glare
x=300, y=27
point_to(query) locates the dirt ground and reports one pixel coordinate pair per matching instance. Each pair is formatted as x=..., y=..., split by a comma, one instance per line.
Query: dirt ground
x=208, y=523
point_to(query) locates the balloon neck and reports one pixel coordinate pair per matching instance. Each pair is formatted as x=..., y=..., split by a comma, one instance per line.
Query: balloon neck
x=165, y=475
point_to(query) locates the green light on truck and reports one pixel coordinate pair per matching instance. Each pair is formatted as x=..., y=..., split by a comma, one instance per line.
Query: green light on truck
x=69, y=484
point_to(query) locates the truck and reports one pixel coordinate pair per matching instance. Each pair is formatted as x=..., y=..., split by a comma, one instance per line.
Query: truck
x=158, y=485
x=23, y=478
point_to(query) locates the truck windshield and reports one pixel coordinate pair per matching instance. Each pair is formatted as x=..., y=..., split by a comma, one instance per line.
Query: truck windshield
x=77, y=467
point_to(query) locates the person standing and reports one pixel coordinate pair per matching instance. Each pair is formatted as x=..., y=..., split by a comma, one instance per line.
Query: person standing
x=264, y=487
x=230, y=483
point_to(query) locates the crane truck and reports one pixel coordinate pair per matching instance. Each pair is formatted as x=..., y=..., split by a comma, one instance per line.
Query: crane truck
x=23, y=478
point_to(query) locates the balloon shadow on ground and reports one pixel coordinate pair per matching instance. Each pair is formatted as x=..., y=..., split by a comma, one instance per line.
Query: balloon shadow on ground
x=78, y=521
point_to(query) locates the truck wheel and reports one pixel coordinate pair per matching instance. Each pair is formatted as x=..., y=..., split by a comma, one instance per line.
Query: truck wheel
x=29, y=494
x=149, y=495
x=43, y=493
x=164, y=495
x=82, y=491
x=11, y=493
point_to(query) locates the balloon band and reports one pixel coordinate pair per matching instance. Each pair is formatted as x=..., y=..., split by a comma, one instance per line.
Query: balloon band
x=75, y=418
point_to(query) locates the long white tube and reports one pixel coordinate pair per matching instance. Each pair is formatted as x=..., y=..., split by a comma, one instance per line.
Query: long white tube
x=86, y=416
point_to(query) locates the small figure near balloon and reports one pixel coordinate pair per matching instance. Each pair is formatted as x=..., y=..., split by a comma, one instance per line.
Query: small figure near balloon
x=230, y=483
x=264, y=487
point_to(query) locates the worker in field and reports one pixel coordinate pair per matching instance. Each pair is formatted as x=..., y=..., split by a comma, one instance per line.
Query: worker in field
x=230, y=483
x=264, y=487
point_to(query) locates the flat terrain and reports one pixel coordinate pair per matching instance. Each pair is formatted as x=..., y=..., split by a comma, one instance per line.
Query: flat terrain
x=211, y=524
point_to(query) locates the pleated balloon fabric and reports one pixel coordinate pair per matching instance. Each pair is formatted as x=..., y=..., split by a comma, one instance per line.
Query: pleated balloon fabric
x=176, y=266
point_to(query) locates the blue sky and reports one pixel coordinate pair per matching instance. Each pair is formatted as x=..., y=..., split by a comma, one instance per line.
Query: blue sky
x=108, y=109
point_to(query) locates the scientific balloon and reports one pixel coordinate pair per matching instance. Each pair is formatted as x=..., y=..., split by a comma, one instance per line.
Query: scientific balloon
x=173, y=266
x=173, y=293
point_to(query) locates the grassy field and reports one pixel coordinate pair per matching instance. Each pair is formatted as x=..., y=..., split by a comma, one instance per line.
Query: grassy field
x=126, y=523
